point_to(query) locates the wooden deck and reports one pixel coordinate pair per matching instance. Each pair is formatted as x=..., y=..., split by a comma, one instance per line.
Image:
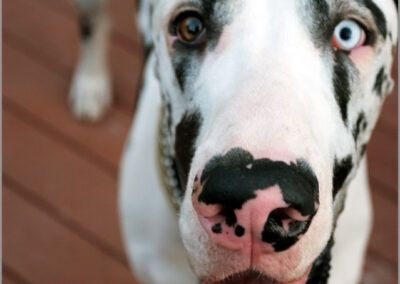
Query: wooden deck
x=60, y=176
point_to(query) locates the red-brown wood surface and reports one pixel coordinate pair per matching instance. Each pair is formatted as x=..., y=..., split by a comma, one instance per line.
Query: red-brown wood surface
x=60, y=221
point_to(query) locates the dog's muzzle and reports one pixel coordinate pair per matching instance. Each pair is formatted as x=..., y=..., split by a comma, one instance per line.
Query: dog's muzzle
x=257, y=206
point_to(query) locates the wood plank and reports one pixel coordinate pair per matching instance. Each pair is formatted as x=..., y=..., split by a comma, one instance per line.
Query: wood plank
x=55, y=41
x=44, y=251
x=80, y=192
x=41, y=97
x=7, y=280
x=388, y=117
x=382, y=159
x=123, y=16
x=379, y=271
x=10, y=276
x=384, y=237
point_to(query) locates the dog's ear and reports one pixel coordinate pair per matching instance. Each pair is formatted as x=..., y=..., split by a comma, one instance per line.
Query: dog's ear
x=145, y=11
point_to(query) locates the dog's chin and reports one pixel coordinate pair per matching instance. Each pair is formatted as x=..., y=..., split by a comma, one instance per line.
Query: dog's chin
x=254, y=277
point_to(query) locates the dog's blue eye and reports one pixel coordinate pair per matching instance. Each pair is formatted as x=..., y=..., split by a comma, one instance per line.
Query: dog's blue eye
x=348, y=35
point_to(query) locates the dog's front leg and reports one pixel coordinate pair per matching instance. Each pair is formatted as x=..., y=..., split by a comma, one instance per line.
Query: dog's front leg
x=90, y=93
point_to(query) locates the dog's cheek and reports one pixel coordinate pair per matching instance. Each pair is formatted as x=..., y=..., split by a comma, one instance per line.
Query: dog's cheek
x=362, y=58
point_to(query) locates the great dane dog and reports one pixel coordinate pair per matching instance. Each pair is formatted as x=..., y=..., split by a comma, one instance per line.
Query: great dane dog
x=246, y=161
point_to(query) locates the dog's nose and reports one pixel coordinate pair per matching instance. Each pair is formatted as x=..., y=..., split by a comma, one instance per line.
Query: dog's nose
x=242, y=202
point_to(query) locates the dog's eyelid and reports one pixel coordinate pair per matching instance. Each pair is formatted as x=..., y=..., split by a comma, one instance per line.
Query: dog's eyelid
x=357, y=13
x=183, y=9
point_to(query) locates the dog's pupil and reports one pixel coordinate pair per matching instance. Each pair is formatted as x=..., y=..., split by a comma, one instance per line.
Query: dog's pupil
x=345, y=34
x=193, y=26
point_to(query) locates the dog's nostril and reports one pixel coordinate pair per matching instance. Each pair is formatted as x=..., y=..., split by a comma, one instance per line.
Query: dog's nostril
x=284, y=227
x=239, y=231
x=217, y=228
x=297, y=226
x=282, y=220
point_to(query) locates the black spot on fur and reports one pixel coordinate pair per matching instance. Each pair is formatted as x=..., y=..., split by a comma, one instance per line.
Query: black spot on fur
x=321, y=11
x=183, y=67
x=217, y=228
x=321, y=268
x=316, y=15
x=186, y=58
x=378, y=15
x=177, y=178
x=380, y=79
x=185, y=137
x=341, y=171
x=363, y=149
x=230, y=217
x=341, y=84
x=214, y=23
x=360, y=126
x=168, y=114
x=86, y=26
x=321, y=29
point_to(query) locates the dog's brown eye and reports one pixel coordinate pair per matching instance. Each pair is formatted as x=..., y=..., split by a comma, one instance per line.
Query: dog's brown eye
x=190, y=29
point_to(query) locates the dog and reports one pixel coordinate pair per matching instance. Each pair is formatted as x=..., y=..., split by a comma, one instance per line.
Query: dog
x=246, y=159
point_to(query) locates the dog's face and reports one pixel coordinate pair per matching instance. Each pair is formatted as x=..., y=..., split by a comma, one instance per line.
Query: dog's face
x=270, y=105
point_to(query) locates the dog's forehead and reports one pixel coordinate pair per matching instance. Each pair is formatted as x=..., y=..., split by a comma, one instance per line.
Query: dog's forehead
x=319, y=16
x=381, y=9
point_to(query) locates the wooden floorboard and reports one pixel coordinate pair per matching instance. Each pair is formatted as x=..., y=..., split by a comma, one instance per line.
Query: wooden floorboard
x=7, y=280
x=79, y=190
x=42, y=99
x=383, y=240
x=11, y=276
x=379, y=271
x=52, y=254
x=123, y=22
x=382, y=157
x=60, y=176
x=57, y=46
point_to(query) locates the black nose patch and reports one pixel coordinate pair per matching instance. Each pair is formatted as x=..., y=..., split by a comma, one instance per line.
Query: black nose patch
x=232, y=179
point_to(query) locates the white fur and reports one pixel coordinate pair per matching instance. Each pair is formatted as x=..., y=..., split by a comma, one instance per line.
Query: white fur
x=90, y=94
x=352, y=233
x=152, y=237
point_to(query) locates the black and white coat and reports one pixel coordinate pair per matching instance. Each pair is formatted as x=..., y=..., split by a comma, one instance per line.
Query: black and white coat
x=267, y=79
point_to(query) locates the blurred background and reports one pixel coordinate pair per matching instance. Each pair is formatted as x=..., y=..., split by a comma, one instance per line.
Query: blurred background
x=60, y=221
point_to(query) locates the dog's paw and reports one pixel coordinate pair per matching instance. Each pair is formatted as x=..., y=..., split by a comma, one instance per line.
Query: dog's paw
x=90, y=96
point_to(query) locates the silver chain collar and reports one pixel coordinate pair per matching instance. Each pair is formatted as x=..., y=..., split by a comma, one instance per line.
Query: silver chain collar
x=168, y=175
